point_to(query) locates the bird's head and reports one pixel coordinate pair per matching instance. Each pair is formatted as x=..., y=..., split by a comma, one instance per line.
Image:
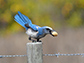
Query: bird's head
x=49, y=30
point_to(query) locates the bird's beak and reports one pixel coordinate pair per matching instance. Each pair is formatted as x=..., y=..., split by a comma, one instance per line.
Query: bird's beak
x=54, y=33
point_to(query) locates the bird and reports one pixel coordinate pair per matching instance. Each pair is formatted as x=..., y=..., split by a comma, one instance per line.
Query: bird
x=32, y=30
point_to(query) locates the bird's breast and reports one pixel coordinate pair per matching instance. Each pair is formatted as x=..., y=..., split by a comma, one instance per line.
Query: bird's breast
x=31, y=33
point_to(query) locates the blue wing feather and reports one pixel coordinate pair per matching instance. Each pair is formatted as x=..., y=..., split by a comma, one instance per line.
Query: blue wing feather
x=27, y=19
x=18, y=20
x=22, y=20
x=34, y=27
x=22, y=17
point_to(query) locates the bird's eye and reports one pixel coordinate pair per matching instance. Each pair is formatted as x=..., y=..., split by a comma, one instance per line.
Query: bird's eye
x=47, y=29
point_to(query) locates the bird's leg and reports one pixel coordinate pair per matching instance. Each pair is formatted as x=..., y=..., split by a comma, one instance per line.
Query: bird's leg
x=38, y=40
x=31, y=39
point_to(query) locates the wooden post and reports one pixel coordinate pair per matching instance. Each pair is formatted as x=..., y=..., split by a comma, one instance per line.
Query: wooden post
x=34, y=52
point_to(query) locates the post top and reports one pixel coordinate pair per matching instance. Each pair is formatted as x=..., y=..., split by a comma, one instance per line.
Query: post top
x=34, y=43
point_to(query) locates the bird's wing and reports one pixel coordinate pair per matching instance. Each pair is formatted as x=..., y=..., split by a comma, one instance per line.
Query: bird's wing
x=24, y=21
x=19, y=20
x=32, y=26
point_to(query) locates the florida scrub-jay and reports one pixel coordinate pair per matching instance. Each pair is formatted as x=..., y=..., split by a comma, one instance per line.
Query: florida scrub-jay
x=32, y=30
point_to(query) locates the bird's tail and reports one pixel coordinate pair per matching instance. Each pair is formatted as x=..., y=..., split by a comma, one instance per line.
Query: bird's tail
x=22, y=19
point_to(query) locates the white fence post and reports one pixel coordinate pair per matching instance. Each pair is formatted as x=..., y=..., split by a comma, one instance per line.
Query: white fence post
x=34, y=52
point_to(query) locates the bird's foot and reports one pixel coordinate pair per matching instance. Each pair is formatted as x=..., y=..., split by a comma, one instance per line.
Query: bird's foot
x=34, y=41
x=39, y=40
x=31, y=39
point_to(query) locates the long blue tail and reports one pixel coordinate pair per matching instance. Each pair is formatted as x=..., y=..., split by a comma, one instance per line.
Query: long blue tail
x=22, y=19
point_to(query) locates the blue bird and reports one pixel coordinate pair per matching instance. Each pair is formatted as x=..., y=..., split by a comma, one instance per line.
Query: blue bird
x=33, y=31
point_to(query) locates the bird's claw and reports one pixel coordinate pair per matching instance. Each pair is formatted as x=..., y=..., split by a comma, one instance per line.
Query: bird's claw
x=36, y=41
x=33, y=41
x=39, y=41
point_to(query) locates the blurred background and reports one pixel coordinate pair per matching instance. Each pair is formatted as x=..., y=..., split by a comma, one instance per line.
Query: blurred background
x=65, y=16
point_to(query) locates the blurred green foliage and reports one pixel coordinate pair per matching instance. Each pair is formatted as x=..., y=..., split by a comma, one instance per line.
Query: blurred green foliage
x=54, y=13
